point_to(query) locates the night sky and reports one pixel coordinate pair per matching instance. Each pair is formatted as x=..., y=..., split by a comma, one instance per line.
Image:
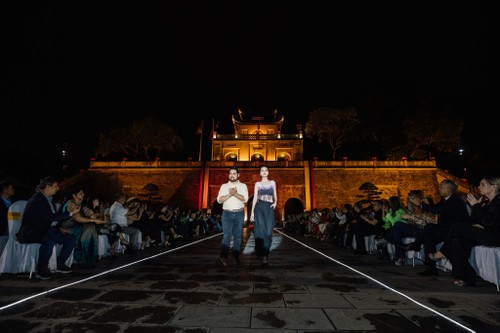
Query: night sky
x=71, y=70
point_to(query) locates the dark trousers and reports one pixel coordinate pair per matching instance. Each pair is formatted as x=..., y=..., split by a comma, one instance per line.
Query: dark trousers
x=232, y=226
x=458, y=246
x=53, y=237
x=402, y=230
x=431, y=236
x=360, y=230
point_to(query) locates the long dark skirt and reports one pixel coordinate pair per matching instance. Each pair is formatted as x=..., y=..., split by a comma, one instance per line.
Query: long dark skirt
x=263, y=228
x=86, y=248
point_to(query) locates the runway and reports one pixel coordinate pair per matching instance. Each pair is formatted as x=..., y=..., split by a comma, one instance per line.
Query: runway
x=309, y=286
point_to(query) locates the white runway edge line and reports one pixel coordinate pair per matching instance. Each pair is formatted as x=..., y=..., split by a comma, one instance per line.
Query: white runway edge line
x=378, y=282
x=106, y=272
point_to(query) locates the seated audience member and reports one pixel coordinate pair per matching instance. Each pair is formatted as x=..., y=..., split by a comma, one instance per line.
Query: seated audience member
x=165, y=220
x=391, y=215
x=375, y=217
x=451, y=209
x=118, y=214
x=484, y=230
x=344, y=215
x=83, y=228
x=93, y=208
x=142, y=217
x=362, y=225
x=215, y=222
x=7, y=191
x=36, y=227
x=414, y=220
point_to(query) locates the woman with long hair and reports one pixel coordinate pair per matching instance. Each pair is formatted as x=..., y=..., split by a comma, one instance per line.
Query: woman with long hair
x=265, y=200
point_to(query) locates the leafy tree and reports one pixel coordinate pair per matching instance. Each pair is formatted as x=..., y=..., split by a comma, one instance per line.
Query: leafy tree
x=146, y=138
x=426, y=132
x=332, y=126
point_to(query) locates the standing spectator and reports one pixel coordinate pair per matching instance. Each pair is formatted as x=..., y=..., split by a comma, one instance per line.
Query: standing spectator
x=233, y=196
x=265, y=200
x=484, y=230
x=451, y=209
x=37, y=227
x=7, y=191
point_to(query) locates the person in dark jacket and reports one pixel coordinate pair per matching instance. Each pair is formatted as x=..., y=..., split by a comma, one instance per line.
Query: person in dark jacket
x=451, y=209
x=484, y=230
x=7, y=191
x=39, y=226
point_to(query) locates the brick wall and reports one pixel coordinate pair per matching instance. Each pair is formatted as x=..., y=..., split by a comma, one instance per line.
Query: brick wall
x=319, y=186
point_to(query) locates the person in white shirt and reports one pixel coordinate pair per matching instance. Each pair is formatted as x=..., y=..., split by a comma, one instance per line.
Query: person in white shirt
x=233, y=196
x=118, y=214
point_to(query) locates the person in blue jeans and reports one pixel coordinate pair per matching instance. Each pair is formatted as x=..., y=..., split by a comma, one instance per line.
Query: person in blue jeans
x=233, y=196
x=265, y=199
x=37, y=226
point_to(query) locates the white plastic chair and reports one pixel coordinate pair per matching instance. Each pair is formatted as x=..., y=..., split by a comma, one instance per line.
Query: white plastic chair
x=17, y=257
x=3, y=242
x=103, y=246
x=21, y=257
x=370, y=245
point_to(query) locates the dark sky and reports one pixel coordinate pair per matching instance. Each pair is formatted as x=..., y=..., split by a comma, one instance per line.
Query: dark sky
x=74, y=69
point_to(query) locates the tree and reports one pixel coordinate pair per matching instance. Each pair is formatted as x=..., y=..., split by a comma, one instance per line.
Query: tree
x=332, y=126
x=370, y=192
x=424, y=133
x=145, y=137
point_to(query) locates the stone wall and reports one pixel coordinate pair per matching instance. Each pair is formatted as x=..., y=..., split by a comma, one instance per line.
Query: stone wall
x=334, y=187
x=193, y=185
x=176, y=186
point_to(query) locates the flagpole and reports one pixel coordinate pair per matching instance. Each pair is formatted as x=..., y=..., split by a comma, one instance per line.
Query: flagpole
x=201, y=140
x=213, y=129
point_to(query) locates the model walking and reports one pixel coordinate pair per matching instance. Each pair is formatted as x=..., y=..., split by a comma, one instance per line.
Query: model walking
x=265, y=199
x=233, y=196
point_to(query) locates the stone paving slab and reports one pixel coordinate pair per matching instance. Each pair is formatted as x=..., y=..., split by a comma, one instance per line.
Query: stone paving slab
x=385, y=320
x=295, y=318
x=220, y=316
x=317, y=301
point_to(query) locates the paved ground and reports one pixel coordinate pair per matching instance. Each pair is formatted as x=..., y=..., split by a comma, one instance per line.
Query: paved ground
x=308, y=287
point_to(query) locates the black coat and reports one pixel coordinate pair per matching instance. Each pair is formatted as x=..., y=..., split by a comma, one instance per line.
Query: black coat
x=37, y=219
x=488, y=215
x=449, y=211
x=3, y=218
